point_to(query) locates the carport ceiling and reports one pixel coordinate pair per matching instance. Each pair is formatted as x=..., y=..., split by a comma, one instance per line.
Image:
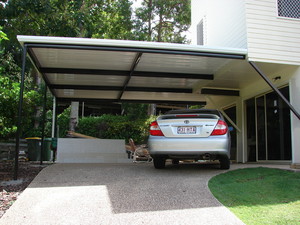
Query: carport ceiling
x=79, y=69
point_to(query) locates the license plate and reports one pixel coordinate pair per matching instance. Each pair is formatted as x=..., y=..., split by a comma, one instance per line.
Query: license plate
x=186, y=130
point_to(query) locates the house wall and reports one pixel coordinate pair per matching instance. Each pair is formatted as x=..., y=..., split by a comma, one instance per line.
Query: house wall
x=271, y=38
x=224, y=22
x=272, y=42
x=289, y=75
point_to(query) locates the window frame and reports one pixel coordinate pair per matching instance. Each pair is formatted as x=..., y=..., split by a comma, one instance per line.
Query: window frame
x=284, y=17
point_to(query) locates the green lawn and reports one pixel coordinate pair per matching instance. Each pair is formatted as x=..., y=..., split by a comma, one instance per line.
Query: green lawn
x=260, y=195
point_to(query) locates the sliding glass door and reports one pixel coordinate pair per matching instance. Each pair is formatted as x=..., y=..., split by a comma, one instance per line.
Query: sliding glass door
x=268, y=127
x=261, y=128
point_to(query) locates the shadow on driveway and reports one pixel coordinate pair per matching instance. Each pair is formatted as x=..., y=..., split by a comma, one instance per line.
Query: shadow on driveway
x=138, y=187
x=120, y=194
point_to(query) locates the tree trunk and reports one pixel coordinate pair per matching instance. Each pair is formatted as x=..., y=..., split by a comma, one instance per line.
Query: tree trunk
x=74, y=116
x=152, y=109
x=149, y=20
x=159, y=31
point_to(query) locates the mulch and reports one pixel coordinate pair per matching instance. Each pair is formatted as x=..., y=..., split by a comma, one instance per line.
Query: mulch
x=10, y=189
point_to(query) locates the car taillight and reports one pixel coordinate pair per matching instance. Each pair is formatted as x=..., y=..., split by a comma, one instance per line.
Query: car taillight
x=220, y=129
x=155, y=130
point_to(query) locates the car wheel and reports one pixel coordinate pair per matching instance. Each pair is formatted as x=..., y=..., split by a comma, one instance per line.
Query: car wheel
x=159, y=163
x=225, y=163
x=175, y=161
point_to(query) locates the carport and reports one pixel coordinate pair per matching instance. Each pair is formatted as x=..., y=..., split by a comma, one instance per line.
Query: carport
x=79, y=69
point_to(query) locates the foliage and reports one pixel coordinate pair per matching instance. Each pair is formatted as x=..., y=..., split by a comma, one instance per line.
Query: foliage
x=9, y=98
x=135, y=111
x=195, y=106
x=3, y=35
x=260, y=195
x=75, y=18
x=63, y=122
x=163, y=21
x=37, y=131
x=114, y=127
x=156, y=20
x=9, y=95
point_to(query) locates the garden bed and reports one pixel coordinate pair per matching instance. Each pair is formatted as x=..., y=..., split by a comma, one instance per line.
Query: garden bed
x=11, y=189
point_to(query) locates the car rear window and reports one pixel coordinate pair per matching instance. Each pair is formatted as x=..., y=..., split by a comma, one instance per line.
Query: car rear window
x=195, y=111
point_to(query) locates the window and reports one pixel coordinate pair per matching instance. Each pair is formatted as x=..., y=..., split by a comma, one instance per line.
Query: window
x=200, y=33
x=289, y=8
x=268, y=127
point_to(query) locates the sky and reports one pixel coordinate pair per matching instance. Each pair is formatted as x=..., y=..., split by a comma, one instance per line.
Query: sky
x=136, y=3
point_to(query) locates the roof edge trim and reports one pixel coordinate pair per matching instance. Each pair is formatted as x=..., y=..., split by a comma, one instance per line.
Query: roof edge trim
x=128, y=43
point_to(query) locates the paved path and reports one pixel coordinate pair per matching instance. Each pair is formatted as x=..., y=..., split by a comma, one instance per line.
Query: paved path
x=120, y=194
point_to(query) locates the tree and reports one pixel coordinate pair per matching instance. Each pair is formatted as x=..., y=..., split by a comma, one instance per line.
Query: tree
x=163, y=21
x=9, y=94
x=156, y=20
x=72, y=18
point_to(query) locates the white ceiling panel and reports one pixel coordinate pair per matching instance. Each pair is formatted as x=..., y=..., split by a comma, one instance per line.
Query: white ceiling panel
x=88, y=94
x=162, y=82
x=84, y=59
x=85, y=79
x=180, y=63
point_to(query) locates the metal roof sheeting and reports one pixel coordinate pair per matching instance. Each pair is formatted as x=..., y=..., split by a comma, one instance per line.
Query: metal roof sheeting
x=118, y=70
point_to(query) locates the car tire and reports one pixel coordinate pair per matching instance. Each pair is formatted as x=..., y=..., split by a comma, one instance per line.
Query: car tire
x=224, y=163
x=159, y=163
x=175, y=161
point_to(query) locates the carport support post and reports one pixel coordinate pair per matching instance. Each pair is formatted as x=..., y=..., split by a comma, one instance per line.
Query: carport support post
x=43, y=124
x=54, y=125
x=53, y=118
x=19, y=124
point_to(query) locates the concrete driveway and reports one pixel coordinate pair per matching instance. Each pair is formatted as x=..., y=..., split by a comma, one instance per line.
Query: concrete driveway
x=120, y=194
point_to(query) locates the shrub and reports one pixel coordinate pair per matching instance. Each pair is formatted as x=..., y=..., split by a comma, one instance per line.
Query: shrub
x=114, y=127
x=63, y=122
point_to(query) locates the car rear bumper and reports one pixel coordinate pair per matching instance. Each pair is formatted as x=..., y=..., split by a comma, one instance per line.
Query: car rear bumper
x=189, y=147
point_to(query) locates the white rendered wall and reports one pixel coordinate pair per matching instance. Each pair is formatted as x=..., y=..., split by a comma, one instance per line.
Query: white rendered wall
x=295, y=122
x=224, y=22
x=78, y=150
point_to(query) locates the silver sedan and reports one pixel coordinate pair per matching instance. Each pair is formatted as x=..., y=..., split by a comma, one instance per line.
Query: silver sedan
x=198, y=134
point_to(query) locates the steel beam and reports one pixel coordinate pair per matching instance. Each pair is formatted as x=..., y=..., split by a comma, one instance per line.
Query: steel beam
x=126, y=73
x=133, y=66
x=226, y=92
x=19, y=124
x=85, y=71
x=224, y=114
x=268, y=81
x=43, y=125
x=112, y=101
x=120, y=88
